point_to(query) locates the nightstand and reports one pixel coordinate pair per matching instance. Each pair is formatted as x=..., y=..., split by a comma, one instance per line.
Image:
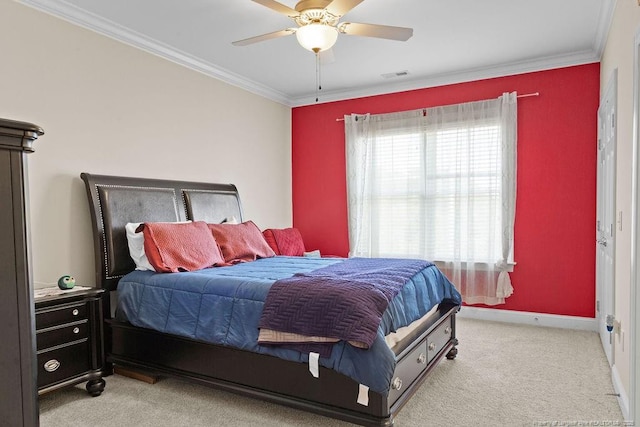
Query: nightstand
x=69, y=340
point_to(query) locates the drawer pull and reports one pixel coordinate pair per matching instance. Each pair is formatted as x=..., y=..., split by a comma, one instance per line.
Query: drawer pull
x=76, y=330
x=447, y=330
x=75, y=312
x=396, y=384
x=422, y=358
x=51, y=365
x=432, y=346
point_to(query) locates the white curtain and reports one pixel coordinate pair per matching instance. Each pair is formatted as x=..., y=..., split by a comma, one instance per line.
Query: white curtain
x=439, y=184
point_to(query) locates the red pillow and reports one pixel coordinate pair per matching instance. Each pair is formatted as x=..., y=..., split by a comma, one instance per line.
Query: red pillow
x=173, y=247
x=285, y=241
x=241, y=242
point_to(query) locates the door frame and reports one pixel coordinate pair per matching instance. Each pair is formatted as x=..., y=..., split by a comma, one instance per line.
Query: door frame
x=634, y=346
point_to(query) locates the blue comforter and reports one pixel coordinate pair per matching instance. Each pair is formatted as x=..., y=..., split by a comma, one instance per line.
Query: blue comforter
x=223, y=305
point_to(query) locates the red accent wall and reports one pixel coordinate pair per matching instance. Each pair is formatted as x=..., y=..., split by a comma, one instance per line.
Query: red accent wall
x=556, y=189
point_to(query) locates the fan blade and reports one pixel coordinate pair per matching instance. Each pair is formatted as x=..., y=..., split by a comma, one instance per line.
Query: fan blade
x=278, y=7
x=264, y=37
x=341, y=7
x=374, y=30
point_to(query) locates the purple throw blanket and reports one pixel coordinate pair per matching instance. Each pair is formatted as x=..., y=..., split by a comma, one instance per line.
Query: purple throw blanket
x=344, y=300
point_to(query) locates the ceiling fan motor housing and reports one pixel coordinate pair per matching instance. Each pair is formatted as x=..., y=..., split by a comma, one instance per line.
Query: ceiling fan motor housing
x=313, y=12
x=303, y=5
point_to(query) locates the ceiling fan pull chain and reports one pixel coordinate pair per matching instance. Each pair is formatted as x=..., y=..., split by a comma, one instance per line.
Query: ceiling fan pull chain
x=318, y=84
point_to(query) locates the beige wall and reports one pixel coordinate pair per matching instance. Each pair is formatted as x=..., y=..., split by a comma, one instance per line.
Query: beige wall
x=108, y=108
x=618, y=55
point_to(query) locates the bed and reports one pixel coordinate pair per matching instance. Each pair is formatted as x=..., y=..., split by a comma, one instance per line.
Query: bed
x=326, y=385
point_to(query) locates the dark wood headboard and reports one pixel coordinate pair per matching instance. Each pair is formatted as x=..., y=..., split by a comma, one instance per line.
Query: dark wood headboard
x=115, y=201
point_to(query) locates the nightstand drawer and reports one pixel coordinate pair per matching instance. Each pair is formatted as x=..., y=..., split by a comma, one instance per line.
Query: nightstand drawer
x=63, y=363
x=62, y=314
x=56, y=336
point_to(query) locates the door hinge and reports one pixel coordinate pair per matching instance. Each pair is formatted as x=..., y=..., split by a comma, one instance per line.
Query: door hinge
x=619, y=222
x=597, y=306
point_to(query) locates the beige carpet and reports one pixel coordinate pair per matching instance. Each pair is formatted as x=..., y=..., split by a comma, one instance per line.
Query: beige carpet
x=504, y=375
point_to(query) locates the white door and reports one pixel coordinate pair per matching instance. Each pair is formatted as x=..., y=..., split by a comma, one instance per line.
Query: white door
x=606, y=221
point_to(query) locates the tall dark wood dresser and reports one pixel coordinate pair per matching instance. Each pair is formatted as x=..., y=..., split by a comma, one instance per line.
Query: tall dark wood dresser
x=18, y=387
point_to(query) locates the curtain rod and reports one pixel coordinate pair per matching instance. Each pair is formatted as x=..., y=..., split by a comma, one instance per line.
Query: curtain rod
x=526, y=95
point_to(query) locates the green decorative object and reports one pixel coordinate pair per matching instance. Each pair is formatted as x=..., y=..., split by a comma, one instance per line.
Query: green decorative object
x=66, y=282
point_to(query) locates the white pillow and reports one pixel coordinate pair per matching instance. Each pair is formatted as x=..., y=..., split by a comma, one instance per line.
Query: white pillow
x=136, y=247
x=230, y=220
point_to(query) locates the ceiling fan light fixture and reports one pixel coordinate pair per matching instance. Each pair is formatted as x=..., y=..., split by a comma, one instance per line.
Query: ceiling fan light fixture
x=317, y=37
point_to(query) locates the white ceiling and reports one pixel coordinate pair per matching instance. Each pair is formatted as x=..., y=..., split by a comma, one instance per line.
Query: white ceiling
x=453, y=41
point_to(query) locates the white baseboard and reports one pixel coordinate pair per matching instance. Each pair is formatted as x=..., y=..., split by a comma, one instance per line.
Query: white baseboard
x=623, y=399
x=528, y=318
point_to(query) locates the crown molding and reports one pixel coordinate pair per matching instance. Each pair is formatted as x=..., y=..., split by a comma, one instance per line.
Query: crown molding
x=82, y=18
x=502, y=70
x=607, y=9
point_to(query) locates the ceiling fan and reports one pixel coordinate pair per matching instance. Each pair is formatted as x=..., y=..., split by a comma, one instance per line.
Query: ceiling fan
x=319, y=26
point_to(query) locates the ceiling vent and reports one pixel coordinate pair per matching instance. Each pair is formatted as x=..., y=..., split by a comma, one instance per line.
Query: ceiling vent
x=396, y=74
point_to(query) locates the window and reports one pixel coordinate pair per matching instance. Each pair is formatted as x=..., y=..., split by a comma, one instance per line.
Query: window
x=459, y=169
x=437, y=184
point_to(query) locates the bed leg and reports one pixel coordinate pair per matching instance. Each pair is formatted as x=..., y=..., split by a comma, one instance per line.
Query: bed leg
x=454, y=350
x=95, y=387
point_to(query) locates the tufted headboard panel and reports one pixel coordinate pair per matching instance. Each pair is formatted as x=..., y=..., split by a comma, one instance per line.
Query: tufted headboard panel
x=115, y=201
